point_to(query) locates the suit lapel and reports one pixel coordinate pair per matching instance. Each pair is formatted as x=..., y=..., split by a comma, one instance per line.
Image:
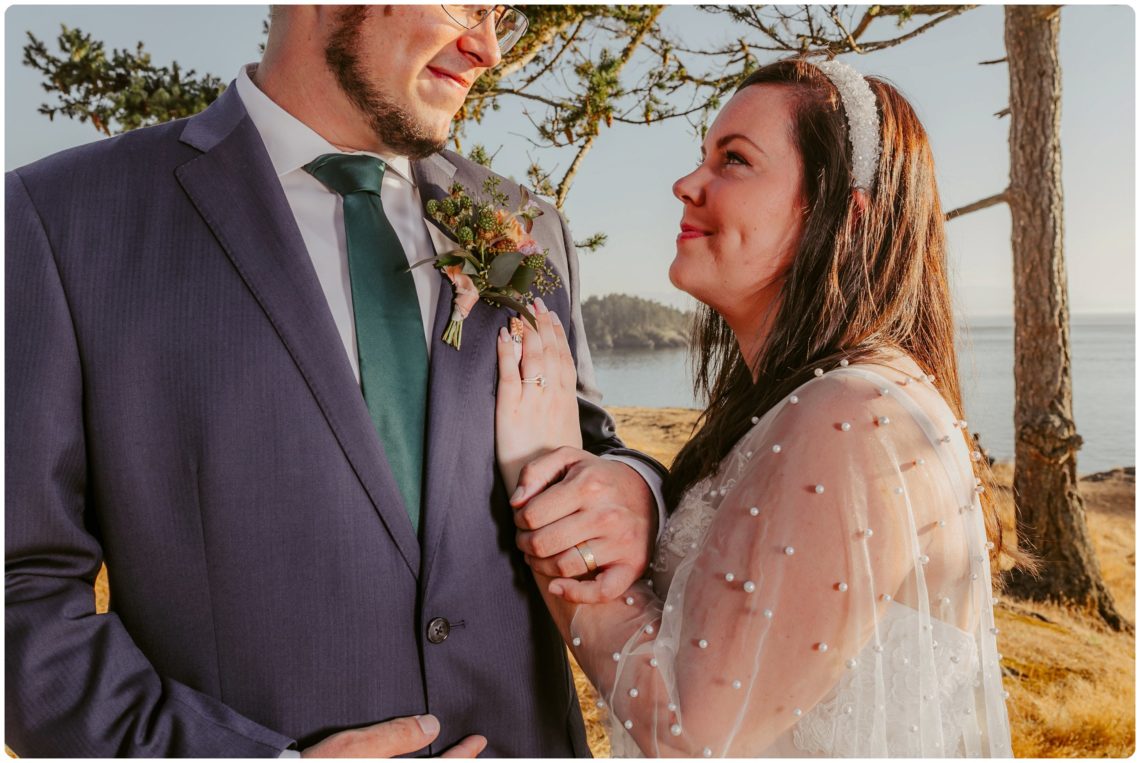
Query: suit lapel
x=456, y=382
x=236, y=191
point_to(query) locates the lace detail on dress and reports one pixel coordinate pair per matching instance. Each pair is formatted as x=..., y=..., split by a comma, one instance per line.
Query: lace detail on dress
x=687, y=525
x=843, y=722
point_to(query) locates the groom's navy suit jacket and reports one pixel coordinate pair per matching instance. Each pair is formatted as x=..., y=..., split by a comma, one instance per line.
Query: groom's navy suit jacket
x=180, y=406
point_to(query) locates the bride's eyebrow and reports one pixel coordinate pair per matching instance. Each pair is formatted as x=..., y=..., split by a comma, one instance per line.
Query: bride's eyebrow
x=726, y=139
x=722, y=142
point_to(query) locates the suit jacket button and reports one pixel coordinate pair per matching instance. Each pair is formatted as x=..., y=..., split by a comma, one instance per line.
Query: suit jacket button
x=438, y=630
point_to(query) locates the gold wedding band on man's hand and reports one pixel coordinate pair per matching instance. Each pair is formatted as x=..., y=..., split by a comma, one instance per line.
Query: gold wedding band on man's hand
x=587, y=556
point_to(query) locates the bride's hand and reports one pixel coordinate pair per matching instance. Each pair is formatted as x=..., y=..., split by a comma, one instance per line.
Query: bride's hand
x=536, y=408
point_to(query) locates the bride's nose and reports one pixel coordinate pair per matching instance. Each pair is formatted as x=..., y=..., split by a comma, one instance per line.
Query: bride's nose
x=689, y=189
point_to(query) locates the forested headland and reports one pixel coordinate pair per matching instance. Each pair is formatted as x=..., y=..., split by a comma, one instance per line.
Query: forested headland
x=620, y=321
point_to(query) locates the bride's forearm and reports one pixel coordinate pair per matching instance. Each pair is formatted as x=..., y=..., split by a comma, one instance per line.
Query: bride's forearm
x=627, y=629
x=561, y=611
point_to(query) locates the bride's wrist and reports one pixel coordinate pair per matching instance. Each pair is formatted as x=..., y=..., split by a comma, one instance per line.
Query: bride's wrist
x=510, y=473
x=561, y=611
x=511, y=467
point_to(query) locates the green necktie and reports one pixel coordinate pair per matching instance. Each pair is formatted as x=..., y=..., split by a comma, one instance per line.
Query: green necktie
x=389, y=328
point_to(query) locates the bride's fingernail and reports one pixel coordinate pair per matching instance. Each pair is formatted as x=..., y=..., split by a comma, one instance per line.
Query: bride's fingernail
x=555, y=588
x=504, y=335
x=520, y=491
x=540, y=305
x=554, y=317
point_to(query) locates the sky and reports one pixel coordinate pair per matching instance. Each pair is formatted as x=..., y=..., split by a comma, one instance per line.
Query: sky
x=624, y=185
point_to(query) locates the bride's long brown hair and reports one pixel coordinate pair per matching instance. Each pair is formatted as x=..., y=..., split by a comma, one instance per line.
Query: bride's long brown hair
x=863, y=281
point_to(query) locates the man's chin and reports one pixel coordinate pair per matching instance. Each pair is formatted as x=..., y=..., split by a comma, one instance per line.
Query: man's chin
x=420, y=148
x=407, y=138
x=434, y=136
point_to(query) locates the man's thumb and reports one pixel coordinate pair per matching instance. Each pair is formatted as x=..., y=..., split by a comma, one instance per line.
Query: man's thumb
x=543, y=472
x=388, y=739
x=401, y=736
x=429, y=724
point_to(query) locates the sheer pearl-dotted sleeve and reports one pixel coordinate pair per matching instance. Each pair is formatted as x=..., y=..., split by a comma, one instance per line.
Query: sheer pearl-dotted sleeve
x=845, y=544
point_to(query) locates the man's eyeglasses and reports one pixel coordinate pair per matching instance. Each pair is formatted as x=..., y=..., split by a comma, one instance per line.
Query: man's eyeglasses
x=510, y=23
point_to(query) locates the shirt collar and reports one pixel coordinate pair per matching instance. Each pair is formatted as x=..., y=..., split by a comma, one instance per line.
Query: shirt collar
x=290, y=142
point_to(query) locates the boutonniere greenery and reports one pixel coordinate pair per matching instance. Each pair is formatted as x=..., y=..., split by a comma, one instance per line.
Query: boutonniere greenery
x=496, y=259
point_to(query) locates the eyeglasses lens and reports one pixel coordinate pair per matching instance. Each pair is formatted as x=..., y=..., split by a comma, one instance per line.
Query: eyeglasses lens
x=510, y=23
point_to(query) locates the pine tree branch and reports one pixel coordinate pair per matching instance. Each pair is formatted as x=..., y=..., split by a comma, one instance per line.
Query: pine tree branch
x=871, y=14
x=817, y=37
x=623, y=59
x=882, y=44
x=989, y=201
x=568, y=179
x=536, y=45
x=554, y=59
x=847, y=36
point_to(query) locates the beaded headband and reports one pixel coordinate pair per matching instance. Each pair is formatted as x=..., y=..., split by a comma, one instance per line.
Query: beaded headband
x=862, y=120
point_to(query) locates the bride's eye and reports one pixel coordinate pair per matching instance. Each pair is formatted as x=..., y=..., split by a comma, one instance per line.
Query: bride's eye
x=731, y=157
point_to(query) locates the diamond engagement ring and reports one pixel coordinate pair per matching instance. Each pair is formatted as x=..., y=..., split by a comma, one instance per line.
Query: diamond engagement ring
x=540, y=380
x=587, y=556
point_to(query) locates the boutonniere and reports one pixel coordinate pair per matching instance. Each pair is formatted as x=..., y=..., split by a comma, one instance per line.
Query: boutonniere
x=496, y=259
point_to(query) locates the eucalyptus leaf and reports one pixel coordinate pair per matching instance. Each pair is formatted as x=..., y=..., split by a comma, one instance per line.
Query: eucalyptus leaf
x=523, y=280
x=514, y=304
x=503, y=269
x=470, y=261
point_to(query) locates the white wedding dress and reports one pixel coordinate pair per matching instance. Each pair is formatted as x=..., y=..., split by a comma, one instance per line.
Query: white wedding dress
x=826, y=593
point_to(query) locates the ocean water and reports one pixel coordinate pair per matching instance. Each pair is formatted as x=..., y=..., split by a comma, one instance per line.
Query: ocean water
x=1104, y=385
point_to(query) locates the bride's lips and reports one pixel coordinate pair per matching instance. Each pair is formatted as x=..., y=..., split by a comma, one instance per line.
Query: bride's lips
x=691, y=231
x=447, y=76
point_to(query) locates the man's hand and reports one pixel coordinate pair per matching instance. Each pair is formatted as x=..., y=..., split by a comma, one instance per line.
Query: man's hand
x=399, y=736
x=568, y=497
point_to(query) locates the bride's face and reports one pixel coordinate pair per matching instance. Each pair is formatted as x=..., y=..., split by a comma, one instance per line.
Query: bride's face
x=743, y=207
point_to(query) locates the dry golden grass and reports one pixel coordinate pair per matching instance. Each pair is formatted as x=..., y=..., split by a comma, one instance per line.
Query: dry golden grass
x=1071, y=681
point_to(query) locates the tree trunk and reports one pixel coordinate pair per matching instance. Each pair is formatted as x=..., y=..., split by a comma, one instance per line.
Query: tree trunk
x=1051, y=517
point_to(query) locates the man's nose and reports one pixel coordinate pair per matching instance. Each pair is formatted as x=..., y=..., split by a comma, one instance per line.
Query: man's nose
x=481, y=44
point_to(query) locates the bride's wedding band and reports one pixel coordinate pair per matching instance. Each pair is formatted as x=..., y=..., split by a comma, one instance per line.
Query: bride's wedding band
x=587, y=556
x=540, y=380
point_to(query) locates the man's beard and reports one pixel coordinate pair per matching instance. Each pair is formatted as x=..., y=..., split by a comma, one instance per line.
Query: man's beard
x=397, y=129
